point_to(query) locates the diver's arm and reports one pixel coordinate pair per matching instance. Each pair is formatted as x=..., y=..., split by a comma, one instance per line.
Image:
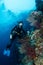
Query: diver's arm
x=13, y=30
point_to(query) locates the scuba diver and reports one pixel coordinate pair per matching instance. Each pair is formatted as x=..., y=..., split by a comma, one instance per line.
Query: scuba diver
x=16, y=32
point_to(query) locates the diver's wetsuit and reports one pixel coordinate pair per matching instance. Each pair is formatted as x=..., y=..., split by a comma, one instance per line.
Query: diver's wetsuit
x=16, y=32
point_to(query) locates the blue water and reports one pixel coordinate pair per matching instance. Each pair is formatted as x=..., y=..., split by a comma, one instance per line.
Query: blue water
x=8, y=19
